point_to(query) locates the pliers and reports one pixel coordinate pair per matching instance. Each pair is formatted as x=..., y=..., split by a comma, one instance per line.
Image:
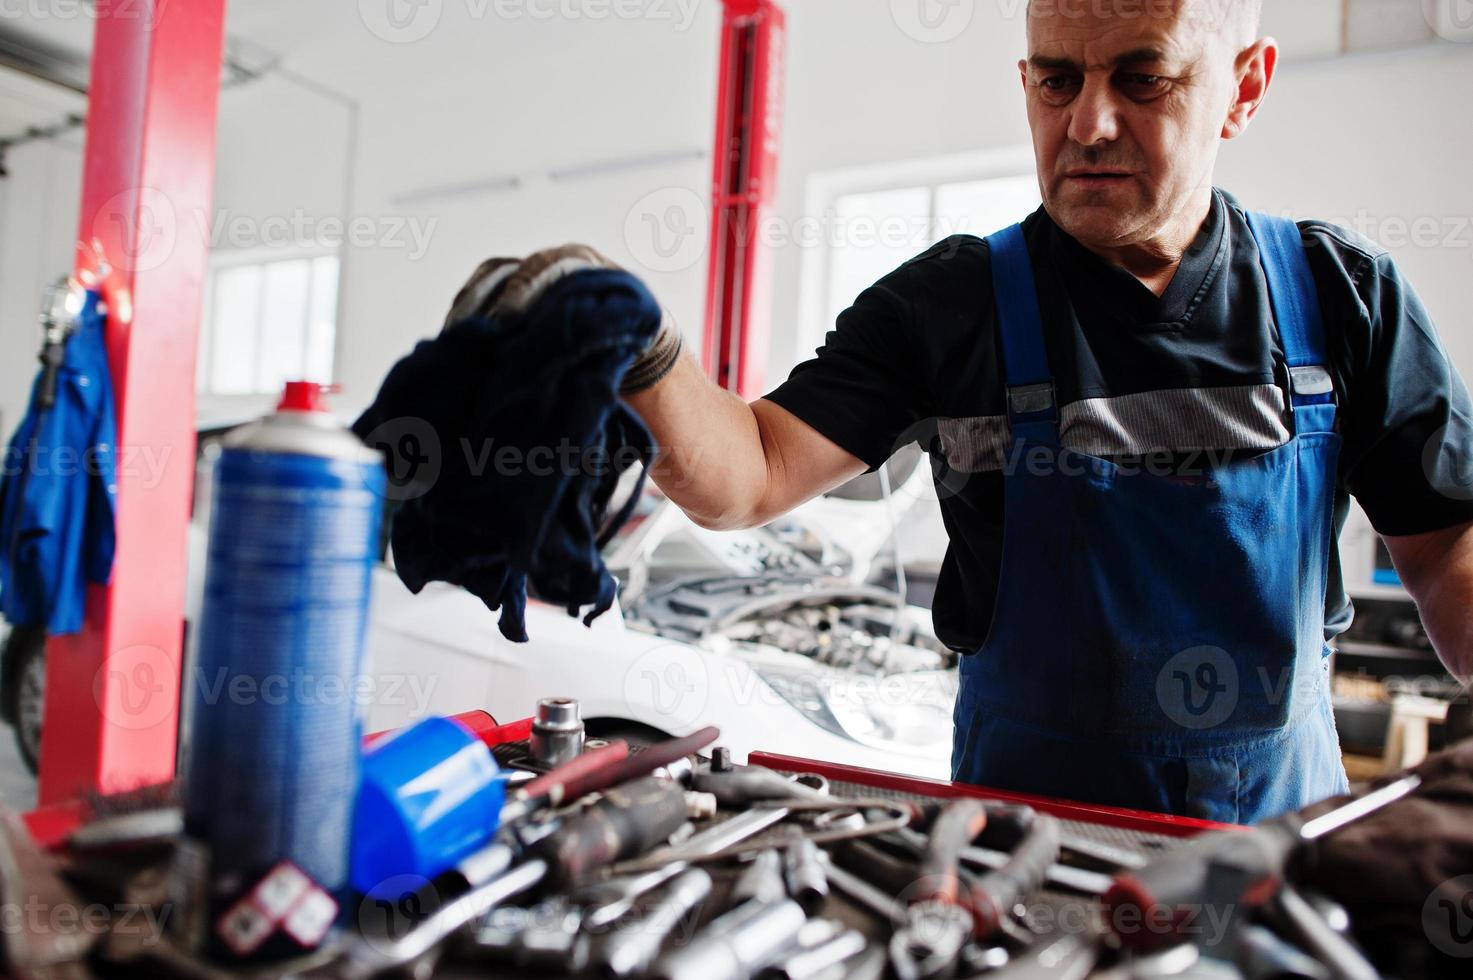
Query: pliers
x=937, y=926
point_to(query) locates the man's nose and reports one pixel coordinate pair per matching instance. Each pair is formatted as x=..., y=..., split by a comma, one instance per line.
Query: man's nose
x=1095, y=118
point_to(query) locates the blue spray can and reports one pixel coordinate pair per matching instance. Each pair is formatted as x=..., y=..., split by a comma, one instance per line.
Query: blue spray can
x=273, y=745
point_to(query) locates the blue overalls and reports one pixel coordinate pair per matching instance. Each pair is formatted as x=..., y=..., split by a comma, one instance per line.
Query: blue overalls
x=1159, y=639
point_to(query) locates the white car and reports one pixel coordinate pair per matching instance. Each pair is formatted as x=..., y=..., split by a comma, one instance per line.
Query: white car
x=774, y=635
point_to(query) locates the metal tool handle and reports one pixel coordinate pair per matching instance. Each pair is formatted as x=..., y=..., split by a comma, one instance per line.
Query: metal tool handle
x=578, y=776
x=955, y=828
x=998, y=891
x=658, y=756
x=629, y=820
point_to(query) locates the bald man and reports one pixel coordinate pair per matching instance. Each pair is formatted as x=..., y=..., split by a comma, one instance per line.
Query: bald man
x=1146, y=408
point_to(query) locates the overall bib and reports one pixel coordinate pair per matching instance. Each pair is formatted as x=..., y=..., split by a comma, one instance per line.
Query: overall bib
x=1159, y=636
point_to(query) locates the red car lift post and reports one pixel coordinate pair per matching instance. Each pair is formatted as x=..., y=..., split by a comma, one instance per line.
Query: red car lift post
x=112, y=691
x=744, y=184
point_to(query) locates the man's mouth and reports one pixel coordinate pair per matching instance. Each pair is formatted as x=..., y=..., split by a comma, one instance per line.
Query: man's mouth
x=1097, y=178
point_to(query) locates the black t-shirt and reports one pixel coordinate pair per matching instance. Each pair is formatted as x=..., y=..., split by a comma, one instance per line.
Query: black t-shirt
x=916, y=359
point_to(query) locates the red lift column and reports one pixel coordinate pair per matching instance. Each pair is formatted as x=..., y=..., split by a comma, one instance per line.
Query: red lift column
x=112, y=691
x=748, y=140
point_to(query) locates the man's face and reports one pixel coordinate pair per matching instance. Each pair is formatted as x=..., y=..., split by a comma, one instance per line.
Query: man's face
x=1127, y=101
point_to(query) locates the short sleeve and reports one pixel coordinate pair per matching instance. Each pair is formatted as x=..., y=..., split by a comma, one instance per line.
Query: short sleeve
x=862, y=389
x=1409, y=425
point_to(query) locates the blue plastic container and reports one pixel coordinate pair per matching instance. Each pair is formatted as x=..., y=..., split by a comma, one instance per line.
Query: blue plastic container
x=430, y=796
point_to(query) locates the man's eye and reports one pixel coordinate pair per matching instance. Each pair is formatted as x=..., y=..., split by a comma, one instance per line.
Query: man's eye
x=1140, y=84
x=1057, y=84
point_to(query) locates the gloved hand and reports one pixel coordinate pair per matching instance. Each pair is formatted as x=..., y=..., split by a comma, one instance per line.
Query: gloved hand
x=506, y=287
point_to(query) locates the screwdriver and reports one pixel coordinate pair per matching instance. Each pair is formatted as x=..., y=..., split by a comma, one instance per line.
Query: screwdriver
x=1176, y=886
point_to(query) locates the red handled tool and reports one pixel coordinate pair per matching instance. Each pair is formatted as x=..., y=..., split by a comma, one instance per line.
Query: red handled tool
x=478, y=723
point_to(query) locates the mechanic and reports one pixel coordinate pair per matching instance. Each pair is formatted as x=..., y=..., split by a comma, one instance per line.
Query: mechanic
x=1145, y=412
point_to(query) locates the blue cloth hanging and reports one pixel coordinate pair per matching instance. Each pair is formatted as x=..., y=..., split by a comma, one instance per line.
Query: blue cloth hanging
x=505, y=440
x=58, y=490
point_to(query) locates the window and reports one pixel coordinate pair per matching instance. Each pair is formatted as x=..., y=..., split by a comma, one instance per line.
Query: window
x=882, y=217
x=268, y=322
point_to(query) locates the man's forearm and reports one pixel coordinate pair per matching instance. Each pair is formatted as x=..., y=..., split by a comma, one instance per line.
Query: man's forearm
x=1438, y=572
x=711, y=461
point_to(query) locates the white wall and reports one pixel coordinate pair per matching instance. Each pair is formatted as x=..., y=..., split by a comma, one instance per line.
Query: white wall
x=38, y=229
x=1380, y=143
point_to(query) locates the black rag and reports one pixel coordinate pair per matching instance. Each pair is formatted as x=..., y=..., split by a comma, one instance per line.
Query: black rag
x=505, y=440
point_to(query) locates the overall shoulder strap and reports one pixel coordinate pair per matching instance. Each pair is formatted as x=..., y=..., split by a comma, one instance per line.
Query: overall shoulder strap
x=1031, y=397
x=1296, y=306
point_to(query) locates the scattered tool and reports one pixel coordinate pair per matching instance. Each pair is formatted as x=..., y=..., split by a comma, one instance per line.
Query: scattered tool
x=629, y=820
x=762, y=881
x=737, y=945
x=632, y=950
x=928, y=946
x=725, y=835
x=606, y=902
x=370, y=956
x=818, y=961
x=557, y=732
x=996, y=892
x=1173, y=889
x=1304, y=924
x=803, y=873
x=547, y=937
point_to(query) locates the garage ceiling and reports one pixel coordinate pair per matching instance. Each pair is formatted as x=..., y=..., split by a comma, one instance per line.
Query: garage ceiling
x=340, y=45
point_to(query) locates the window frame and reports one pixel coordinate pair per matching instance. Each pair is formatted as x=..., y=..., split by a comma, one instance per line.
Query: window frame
x=823, y=191
x=230, y=259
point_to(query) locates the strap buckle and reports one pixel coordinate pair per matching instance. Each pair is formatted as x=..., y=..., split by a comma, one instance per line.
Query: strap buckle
x=1031, y=399
x=1311, y=380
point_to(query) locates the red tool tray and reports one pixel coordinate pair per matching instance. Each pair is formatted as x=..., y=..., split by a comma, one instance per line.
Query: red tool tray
x=1131, y=822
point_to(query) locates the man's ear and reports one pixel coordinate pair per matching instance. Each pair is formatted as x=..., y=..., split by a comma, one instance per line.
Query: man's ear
x=1023, y=72
x=1254, y=72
